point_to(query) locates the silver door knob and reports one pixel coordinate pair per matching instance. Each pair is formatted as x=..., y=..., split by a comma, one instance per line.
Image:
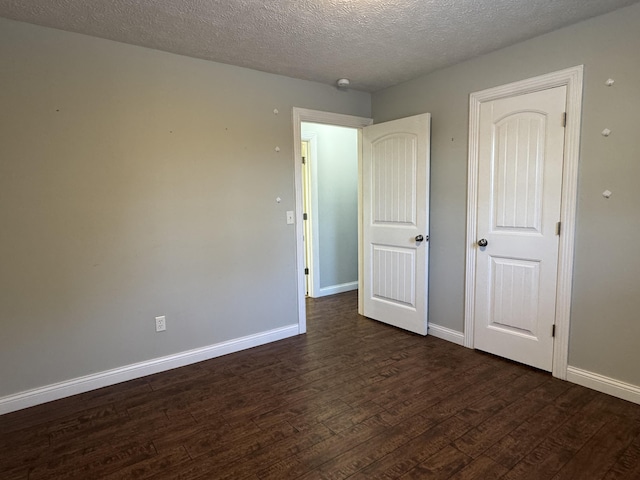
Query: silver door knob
x=419, y=238
x=483, y=242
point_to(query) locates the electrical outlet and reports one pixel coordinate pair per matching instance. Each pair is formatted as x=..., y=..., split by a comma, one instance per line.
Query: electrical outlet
x=161, y=324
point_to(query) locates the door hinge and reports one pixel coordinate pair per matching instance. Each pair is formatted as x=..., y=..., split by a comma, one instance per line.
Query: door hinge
x=564, y=119
x=553, y=330
x=558, y=228
x=304, y=216
x=304, y=160
x=306, y=271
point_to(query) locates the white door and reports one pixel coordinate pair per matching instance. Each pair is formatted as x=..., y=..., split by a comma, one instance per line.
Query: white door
x=521, y=145
x=395, y=188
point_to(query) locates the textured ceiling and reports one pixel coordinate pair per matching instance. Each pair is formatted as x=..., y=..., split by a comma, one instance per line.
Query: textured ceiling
x=375, y=43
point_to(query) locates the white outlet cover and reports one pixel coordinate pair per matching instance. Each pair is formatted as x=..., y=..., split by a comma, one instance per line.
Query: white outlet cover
x=161, y=323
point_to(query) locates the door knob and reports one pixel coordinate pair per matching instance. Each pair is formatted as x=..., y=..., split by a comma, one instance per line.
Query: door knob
x=483, y=242
x=419, y=238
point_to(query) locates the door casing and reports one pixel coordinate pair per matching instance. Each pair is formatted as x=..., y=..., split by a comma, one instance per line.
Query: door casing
x=572, y=78
x=316, y=116
x=310, y=225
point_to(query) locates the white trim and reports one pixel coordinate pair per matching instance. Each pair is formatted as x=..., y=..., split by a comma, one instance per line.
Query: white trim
x=312, y=217
x=446, y=334
x=360, y=227
x=333, y=289
x=572, y=78
x=610, y=386
x=67, y=388
x=315, y=116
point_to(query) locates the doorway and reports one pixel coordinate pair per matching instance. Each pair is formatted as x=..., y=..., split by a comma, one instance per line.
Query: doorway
x=494, y=278
x=329, y=155
x=397, y=159
x=519, y=191
x=301, y=115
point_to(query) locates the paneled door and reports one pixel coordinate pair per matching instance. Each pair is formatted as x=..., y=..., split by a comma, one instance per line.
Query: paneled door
x=521, y=145
x=395, y=186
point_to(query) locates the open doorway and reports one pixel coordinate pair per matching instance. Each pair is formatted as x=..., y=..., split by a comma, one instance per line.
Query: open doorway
x=329, y=155
x=300, y=116
x=392, y=193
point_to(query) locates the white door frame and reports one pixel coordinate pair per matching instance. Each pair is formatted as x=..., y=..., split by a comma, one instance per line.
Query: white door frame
x=316, y=116
x=310, y=190
x=571, y=78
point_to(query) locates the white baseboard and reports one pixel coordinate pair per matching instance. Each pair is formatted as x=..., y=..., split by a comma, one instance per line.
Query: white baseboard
x=333, y=289
x=74, y=386
x=604, y=384
x=446, y=334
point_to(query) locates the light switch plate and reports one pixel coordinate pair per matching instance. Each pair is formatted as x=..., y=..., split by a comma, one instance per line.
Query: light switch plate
x=290, y=217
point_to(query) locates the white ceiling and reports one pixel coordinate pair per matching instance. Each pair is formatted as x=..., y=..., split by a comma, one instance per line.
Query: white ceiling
x=375, y=43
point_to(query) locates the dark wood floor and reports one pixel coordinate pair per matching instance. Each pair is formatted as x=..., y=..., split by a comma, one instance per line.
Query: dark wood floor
x=351, y=399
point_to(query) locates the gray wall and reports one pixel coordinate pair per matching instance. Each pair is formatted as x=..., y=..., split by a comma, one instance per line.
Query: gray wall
x=605, y=326
x=337, y=213
x=136, y=183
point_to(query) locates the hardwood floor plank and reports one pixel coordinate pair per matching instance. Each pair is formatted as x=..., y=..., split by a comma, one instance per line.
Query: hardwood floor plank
x=302, y=411
x=480, y=438
x=353, y=460
x=422, y=400
x=576, y=431
x=478, y=412
x=322, y=452
x=627, y=467
x=95, y=464
x=260, y=459
x=164, y=433
x=153, y=467
x=529, y=383
x=513, y=447
x=20, y=473
x=481, y=468
x=575, y=398
x=440, y=466
x=542, y=463
x=555, y=451
x=453, y=404
x=80, y=425
x=244, y=439
x=22, y=454
x=602, y=450
x=550, y=390
x=402, y=460
x=352, y=416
